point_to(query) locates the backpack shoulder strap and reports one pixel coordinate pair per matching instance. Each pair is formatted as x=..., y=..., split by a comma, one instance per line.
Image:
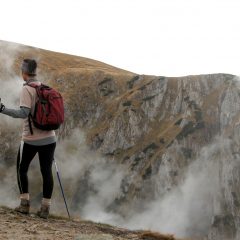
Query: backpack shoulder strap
x=38, y=88
x=33, y=85
x=29, y=123
x=30, y=115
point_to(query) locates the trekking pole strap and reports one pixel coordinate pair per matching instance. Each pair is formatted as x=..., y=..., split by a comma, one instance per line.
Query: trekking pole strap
x=56, y=165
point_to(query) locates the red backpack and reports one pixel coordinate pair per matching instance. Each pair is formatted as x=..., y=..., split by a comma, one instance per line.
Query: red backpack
x=49, y=109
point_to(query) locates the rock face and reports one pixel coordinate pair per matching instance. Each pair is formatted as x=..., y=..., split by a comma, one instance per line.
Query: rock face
x=164, y=130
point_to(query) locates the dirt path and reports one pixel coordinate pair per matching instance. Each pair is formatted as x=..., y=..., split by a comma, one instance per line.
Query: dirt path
x=17, y=226
x=14, y=225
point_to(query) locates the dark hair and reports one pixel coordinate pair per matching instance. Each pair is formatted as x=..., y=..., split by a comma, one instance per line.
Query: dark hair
x=29, y=67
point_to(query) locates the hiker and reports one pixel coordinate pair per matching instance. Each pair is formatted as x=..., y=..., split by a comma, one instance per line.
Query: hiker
x=33, y=141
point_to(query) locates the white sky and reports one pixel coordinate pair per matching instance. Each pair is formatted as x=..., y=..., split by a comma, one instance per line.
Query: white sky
x=158, y=37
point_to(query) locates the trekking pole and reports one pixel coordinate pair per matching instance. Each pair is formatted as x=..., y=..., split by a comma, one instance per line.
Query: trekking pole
x=59, y=180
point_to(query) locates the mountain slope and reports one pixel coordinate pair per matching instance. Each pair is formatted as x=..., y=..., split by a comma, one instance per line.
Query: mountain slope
x=174, y=140
x=17, y=226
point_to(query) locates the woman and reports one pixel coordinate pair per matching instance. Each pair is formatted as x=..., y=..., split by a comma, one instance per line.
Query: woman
x=37, y=141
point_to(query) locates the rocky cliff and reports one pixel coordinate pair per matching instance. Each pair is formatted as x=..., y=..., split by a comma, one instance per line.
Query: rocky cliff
x=175, y=139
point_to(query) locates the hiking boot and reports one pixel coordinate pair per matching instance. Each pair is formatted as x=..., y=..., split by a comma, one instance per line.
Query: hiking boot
x=44, y=212
x=24, y=206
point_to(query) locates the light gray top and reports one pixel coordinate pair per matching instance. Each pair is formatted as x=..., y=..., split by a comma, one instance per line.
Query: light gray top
x=23, y=113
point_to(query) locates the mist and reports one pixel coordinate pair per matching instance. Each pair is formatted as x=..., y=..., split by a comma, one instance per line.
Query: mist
x=10, y=129
x=10, y=83
x=186, y=210
x=78, y=164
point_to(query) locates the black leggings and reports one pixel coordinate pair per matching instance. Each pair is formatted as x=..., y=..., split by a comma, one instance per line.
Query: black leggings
x=46, y=157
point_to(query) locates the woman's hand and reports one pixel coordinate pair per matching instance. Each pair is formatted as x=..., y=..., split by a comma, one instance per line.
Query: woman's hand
x=2, y=107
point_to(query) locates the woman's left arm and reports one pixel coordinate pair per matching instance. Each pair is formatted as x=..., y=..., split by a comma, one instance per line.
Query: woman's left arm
x=23, y=112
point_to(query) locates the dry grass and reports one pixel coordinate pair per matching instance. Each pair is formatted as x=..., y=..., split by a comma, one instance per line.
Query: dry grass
x=57, y=227
x=148, y=235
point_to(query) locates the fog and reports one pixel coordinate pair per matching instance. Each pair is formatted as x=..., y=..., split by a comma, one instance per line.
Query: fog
x=10, y=87
x=186, y=210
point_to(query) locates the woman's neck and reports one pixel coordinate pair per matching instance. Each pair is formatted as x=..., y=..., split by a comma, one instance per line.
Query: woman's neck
x=30, y=80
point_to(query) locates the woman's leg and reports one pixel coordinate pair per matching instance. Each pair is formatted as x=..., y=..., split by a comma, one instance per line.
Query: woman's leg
x=25, y=155
x=46, y=157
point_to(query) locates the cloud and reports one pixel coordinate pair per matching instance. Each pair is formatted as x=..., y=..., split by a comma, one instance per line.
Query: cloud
x=8, y=190
x=187, y=209
x=88, y=174
x=10, y=86
x=10, y=83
